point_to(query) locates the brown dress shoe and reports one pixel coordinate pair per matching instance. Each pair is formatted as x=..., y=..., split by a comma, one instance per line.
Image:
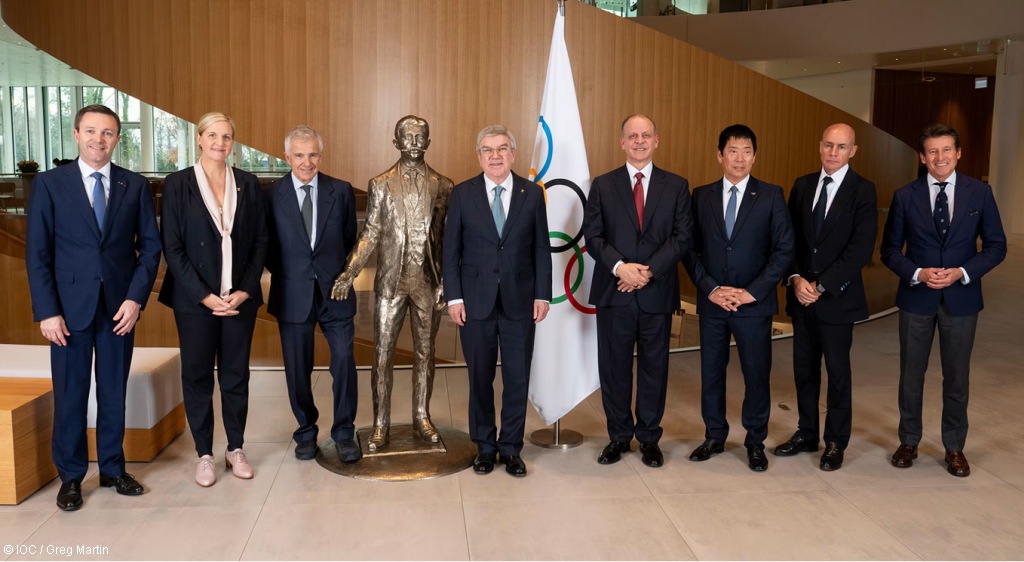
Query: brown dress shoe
x=904, y=456
x=956, y=464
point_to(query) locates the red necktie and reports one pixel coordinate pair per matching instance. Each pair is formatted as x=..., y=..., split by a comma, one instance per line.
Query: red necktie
x=638, y=199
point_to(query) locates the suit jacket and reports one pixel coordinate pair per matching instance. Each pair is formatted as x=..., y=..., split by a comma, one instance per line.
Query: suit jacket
x=755, y=258
x=910, y=224
x=477, y=259
x=837, y=255
x=612, y=234
x=192, y=242
x=385, y=226
x=294, y=266
x=67, y=258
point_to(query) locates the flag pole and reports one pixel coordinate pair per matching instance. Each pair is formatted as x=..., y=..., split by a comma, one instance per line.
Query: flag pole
x=554, y=437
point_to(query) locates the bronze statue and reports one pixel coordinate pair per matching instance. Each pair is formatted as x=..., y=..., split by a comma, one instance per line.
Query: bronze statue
x=405, y=215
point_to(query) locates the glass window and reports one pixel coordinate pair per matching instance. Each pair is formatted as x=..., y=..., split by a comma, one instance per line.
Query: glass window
x=128, y=108
x=173, y=142
x=67, y=122
x=6, y=160
x=53, y=128
x=129, y=149
x=19, y=122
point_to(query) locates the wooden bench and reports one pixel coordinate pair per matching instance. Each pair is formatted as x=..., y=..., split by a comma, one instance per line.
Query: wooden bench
x=154, y=412
x=26, y=423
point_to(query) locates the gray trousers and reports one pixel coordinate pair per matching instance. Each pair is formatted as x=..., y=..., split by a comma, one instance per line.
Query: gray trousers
x=956, y=340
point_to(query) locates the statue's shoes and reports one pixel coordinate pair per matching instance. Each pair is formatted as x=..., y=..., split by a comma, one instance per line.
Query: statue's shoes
x=425, y=431
x=378, y=439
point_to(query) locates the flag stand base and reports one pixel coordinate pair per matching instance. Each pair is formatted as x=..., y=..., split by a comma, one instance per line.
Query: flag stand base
x=556, y=438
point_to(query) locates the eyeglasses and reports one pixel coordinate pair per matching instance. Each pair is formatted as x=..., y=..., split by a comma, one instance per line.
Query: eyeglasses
x=500, y=151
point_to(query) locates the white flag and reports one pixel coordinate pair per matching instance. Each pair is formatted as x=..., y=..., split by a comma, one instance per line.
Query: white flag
x=564, y=369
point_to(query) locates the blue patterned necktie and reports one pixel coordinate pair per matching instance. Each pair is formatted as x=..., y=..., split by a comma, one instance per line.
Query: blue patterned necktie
x=942, y=210
x=730, y=212
x=497, y=210
x=819, y=207
x=99, y=199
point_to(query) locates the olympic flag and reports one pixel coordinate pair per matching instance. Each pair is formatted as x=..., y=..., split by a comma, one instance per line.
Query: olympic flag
x=564, y=369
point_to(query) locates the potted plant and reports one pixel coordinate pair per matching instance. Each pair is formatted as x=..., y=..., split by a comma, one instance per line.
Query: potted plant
x=28, y=167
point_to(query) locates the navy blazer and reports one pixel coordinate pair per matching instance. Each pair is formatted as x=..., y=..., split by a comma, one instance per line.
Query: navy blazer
x=910, y=224
x=294, y=266
x=192, y=242
x=67, y=258
x=755, y=258
x=612, y=234
x=476, y=258
x=835, y=257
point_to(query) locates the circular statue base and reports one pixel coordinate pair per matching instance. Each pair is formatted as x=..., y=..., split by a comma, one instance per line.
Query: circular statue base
x=405, y=457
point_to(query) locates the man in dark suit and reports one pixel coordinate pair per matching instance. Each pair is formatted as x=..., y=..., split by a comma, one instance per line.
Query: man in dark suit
x=637, y=226
x=835, y=223
x=931, y=242
x=92, y=251
x=311, y=218
x=497, y=279
x=743, y=245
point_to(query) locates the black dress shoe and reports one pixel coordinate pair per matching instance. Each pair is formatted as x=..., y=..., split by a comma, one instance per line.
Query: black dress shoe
x=126, y=484
x=613, y=452
x=652, y=455
x=707, y=448
x=69, y=498
x=348, y=450
x=514, y=465
x=904, y=456
x=832, y=458
x=796, y=444
x=756, y=459
x=483, y=463
x=306, y=450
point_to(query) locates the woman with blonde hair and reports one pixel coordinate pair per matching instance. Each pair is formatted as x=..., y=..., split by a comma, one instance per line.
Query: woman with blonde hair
x=215, y=240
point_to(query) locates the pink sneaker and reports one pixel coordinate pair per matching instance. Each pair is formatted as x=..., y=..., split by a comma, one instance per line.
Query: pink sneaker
x=205, y=473
x=238, y=463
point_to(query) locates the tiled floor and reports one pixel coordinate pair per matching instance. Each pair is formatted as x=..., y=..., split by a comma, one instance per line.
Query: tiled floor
x=572, y=508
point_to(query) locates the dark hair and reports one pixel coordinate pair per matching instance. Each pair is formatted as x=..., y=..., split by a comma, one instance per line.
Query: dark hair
x=736, y=132
x=97, y=108
x=936, y=130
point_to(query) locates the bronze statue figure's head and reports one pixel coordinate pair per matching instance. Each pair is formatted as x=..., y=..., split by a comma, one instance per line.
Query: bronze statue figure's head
x=412, y=137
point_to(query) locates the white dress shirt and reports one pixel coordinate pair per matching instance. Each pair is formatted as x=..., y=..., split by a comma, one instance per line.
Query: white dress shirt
x=87, y=179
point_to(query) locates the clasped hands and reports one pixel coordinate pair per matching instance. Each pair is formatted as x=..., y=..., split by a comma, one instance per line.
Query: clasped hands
x=939, y=278
x=227, y=306
x=806, y=291
x=730, y=298
x=633, y=276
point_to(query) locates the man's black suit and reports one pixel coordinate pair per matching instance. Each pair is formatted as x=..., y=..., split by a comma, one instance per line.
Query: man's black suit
x=498, y=278
x=755, y=258
x=301, y=279
x=833, y=258
x=643, y=317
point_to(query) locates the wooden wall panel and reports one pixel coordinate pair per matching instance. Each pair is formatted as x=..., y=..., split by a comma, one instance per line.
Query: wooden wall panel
x=352, y=69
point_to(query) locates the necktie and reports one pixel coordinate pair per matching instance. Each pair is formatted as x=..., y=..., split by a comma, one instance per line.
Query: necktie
x=307, y=212
x=497, y=210
x=638, y=199
x=941, y=210
x=99, y=199
x=819, y=207
x=730, y=212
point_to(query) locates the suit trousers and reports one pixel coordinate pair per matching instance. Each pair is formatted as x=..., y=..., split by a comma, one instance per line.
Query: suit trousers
x=226, y=341
x=72, y=367
x=754, y=345
x=297, y=348
x=481, y=340
x=619, y=328
x=813, y=339
x=956, y=341
x=416, y=297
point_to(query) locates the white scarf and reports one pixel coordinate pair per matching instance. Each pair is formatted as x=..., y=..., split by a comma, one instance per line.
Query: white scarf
x=223, y=219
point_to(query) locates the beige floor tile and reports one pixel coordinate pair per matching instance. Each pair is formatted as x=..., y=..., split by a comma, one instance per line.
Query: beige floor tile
x=193, y=533
x=17, y=527
x=805, y=525
x=971, y=522
x=573, y=529
x=369, y=531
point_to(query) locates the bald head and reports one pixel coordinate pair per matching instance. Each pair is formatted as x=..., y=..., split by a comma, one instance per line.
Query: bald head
x=838, y=145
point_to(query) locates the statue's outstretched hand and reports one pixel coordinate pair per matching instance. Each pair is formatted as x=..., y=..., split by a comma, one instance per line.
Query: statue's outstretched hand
x=342, y=285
